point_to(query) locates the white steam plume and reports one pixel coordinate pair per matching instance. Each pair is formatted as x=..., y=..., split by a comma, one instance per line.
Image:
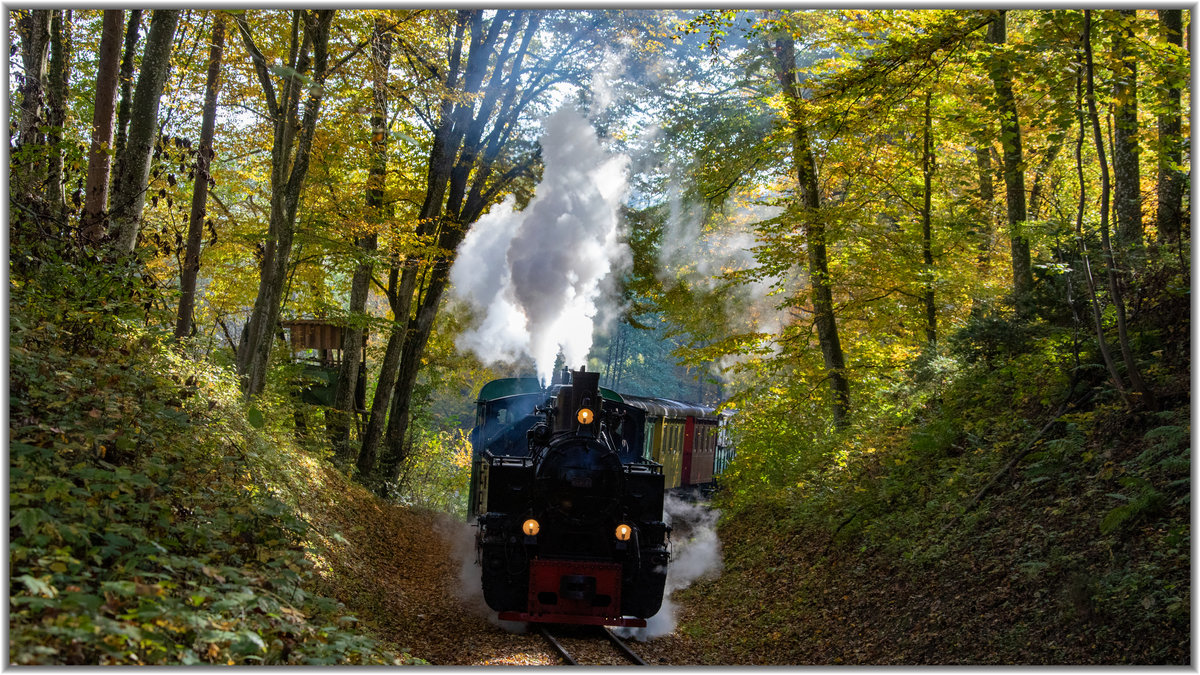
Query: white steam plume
x=461, y=538
x=538, y=275
x=696, y=555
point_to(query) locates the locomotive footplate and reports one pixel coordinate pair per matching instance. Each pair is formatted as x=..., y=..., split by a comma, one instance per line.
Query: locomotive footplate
x=573, y=591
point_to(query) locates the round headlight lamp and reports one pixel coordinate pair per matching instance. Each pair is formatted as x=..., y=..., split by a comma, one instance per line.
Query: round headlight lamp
x=624, y=532
x=530, y=527
x=585, y=416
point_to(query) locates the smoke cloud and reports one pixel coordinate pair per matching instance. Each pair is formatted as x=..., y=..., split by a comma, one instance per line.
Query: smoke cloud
x=461, y=538
x=696, y=555
x=538, y=275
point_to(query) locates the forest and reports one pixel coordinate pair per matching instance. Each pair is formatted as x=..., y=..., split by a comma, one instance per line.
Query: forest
x=934, y=267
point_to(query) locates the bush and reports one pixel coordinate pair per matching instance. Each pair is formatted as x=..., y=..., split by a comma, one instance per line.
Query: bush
x=991, y=334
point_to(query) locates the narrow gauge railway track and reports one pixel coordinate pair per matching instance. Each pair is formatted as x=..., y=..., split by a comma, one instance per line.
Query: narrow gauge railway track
x=587, y=649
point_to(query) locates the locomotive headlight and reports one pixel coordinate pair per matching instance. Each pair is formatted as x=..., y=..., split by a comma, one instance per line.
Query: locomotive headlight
x=530, y=527
x=585, y=416
x=624, y=532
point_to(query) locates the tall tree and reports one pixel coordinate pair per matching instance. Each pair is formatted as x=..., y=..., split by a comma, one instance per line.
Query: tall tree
x=58, y=78
x=95, y=200
x=1127, y=184
x=133, y=165
x=814, y=231
x=987, y=196
x=496, y=70
x=927, y=169
x=33, y=29
x=1114, y=286
x=1010, y=140
x=201, y=173
x=292, y=140
x=1088, y=274
x=353, y=335
x=33, y=25
x=128, y=57
x=1171, y=173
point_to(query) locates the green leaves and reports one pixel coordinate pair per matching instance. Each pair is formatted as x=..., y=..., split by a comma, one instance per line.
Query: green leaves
x=144, y=529
x=27, y=520
x=255, y=417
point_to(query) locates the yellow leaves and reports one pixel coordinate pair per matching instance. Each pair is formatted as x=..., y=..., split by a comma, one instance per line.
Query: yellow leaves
x=462, y=458
x=115, y=640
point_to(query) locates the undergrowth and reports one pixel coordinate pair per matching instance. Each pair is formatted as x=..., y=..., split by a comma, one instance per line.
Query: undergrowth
x=154, y=517
x=1005, y=476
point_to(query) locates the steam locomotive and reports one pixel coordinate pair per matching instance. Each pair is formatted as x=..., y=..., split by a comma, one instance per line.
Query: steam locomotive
x=567, y=488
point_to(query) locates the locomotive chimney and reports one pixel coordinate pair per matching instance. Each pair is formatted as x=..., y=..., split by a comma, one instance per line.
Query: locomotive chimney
x=562, y=377
x=582, y=394
x=586, y=384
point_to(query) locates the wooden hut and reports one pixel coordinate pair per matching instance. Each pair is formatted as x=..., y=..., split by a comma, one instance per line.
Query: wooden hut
x=323, y=342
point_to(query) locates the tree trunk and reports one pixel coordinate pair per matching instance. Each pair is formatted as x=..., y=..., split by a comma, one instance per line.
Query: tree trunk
x=127, y=59
x=810, y=205
x=402, y=280
x=1171, y=172
x=618, y=362
x=28, y=171
x=1014, y=177
x=290, y=157
x=352, y=342
x=927, y=168
x=463, y=158
x=1114, y=288
x=34, y=29
x=987, y=197
x=388, y=372
x=95, y=201
x=59, y=79
x=1094, y=302
x=1127, y=190
x=414, y=346
x=403, y=277
x=204, y=157
x=459, y=187
x=133, y=165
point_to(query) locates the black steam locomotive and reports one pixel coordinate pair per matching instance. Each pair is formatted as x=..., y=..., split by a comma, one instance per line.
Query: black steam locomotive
x=570, y=513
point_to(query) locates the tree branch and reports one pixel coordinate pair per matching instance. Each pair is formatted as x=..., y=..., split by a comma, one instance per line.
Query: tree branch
x=260, y=66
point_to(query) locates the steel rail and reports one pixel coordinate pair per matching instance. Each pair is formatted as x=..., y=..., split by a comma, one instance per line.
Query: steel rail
x=629, y=653
x=562, y=651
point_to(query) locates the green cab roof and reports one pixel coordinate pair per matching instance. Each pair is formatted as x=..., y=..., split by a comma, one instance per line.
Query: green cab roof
x=509, y=386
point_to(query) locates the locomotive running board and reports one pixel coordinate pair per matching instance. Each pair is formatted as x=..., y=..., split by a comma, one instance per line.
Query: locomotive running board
x=624, y=622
